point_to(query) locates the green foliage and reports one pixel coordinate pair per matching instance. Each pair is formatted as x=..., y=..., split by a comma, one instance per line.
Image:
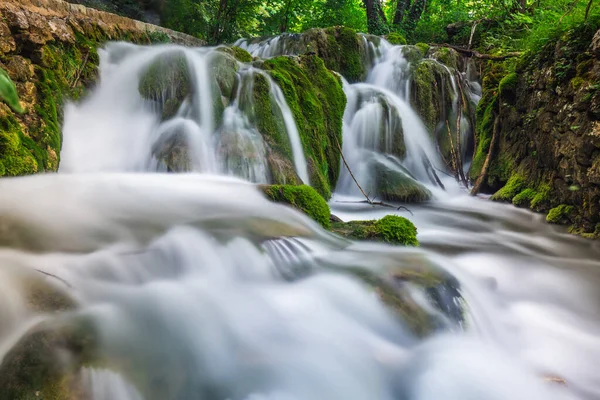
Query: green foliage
x=560, y=214
x=391, y=229
x=396, y=38
x=8, y=92
x=303, y=198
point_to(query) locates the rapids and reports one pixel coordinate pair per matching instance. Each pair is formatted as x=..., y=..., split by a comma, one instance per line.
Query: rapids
x=197, y=287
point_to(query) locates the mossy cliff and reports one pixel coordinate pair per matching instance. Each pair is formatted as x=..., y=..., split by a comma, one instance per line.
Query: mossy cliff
x=548, y=148
x=317, y=101
x=51, y=55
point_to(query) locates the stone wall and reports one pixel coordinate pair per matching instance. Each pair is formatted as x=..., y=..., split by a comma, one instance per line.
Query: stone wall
x=547, y=153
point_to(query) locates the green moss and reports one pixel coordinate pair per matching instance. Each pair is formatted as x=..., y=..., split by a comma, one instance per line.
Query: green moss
x=339, y=47
x=508, y=84
x=560, y=214
x=241, y=54
x=390, y=229
x=431, y=92
x=424, y=47
x=514, y=186
x=577, y=82
x=446, y=56
x=396, y=39
x=524, y=198
x=302, y=197
x=167, y=81
x=542, y=199
x=317, y=100
x=17, y=152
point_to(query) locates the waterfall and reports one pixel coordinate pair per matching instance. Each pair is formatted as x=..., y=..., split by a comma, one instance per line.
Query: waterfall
x=153, y=123
x=120, y=281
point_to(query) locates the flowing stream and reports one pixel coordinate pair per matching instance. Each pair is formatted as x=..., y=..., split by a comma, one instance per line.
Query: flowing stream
x=197, y=287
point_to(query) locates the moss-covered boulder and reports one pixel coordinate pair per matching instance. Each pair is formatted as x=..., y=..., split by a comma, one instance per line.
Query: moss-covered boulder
x=167, y=81
x=395, y=185
x=45, y=363
x=424, y=48
x=390, y=229
x=173, y=152
x=431, y=93
x=317, y=101
x=395, y=38
x=339, y=48
x=303, y=198
x=448, y=57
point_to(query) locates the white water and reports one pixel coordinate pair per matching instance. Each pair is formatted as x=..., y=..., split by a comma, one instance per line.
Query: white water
x=129, y=129
x=199, y=288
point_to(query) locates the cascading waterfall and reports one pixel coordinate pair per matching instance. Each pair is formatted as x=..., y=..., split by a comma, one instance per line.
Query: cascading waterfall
x=150, y=126
x=194, y=286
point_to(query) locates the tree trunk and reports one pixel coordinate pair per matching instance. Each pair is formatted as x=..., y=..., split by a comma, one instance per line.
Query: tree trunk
x=401, y=8
x=414, y=13
x=218, y=27
x=376, y=21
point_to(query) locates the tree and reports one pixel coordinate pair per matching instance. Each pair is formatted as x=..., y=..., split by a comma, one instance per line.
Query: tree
x=401, y=7
x=376, y=20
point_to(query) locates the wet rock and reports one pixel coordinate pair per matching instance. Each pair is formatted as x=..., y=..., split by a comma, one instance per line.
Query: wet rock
x=45, y=363
x=167, y=82
x=390, y=229
x=595, y=45
x=173, y=151
x=393, y=184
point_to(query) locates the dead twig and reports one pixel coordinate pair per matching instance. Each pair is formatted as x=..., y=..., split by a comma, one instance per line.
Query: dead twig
x=367, y=199
x=80, y=71
x=55, y=277
x=476, y=54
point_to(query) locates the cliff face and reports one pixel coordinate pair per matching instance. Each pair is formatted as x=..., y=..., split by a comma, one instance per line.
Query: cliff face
x=49, y=49
x=547, y=114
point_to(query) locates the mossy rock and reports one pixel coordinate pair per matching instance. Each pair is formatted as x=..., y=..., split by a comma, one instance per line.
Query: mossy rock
x=513, y=187
x=448, y=57
x=561, y=214
x=224, y=72
x=45, y=363
x=524, y=198
x=424, y=48
x=317, y=100
x=390, y=229
x=339, y=48
x=412, y=54
x=167, y=81
x=173, y=152
x=393, y=185
x=241, y=54
x=396, y=39
x=8, y=92
x=431, y=92
x=303, y=198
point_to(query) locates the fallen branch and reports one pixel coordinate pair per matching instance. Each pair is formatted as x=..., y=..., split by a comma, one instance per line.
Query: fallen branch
x=488, y=160
x=476, y=54
x=80, y=71
x=368, y=200
x=376, y=203
x=55, y=277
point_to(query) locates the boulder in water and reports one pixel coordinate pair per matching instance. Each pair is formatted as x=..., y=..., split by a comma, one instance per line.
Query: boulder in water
x=395, y=185
x=390, y=229
x=45, y=363
x=167, y=81
x=173, y=151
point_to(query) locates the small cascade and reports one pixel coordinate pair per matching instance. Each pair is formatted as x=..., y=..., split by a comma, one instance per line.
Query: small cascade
x=99, y=384
x=289, y=44
x=186, y=110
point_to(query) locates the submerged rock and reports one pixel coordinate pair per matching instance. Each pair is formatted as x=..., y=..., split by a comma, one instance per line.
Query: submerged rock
x=46, y=362
x=395, y=185
x=390, y=229
x=173, y=151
